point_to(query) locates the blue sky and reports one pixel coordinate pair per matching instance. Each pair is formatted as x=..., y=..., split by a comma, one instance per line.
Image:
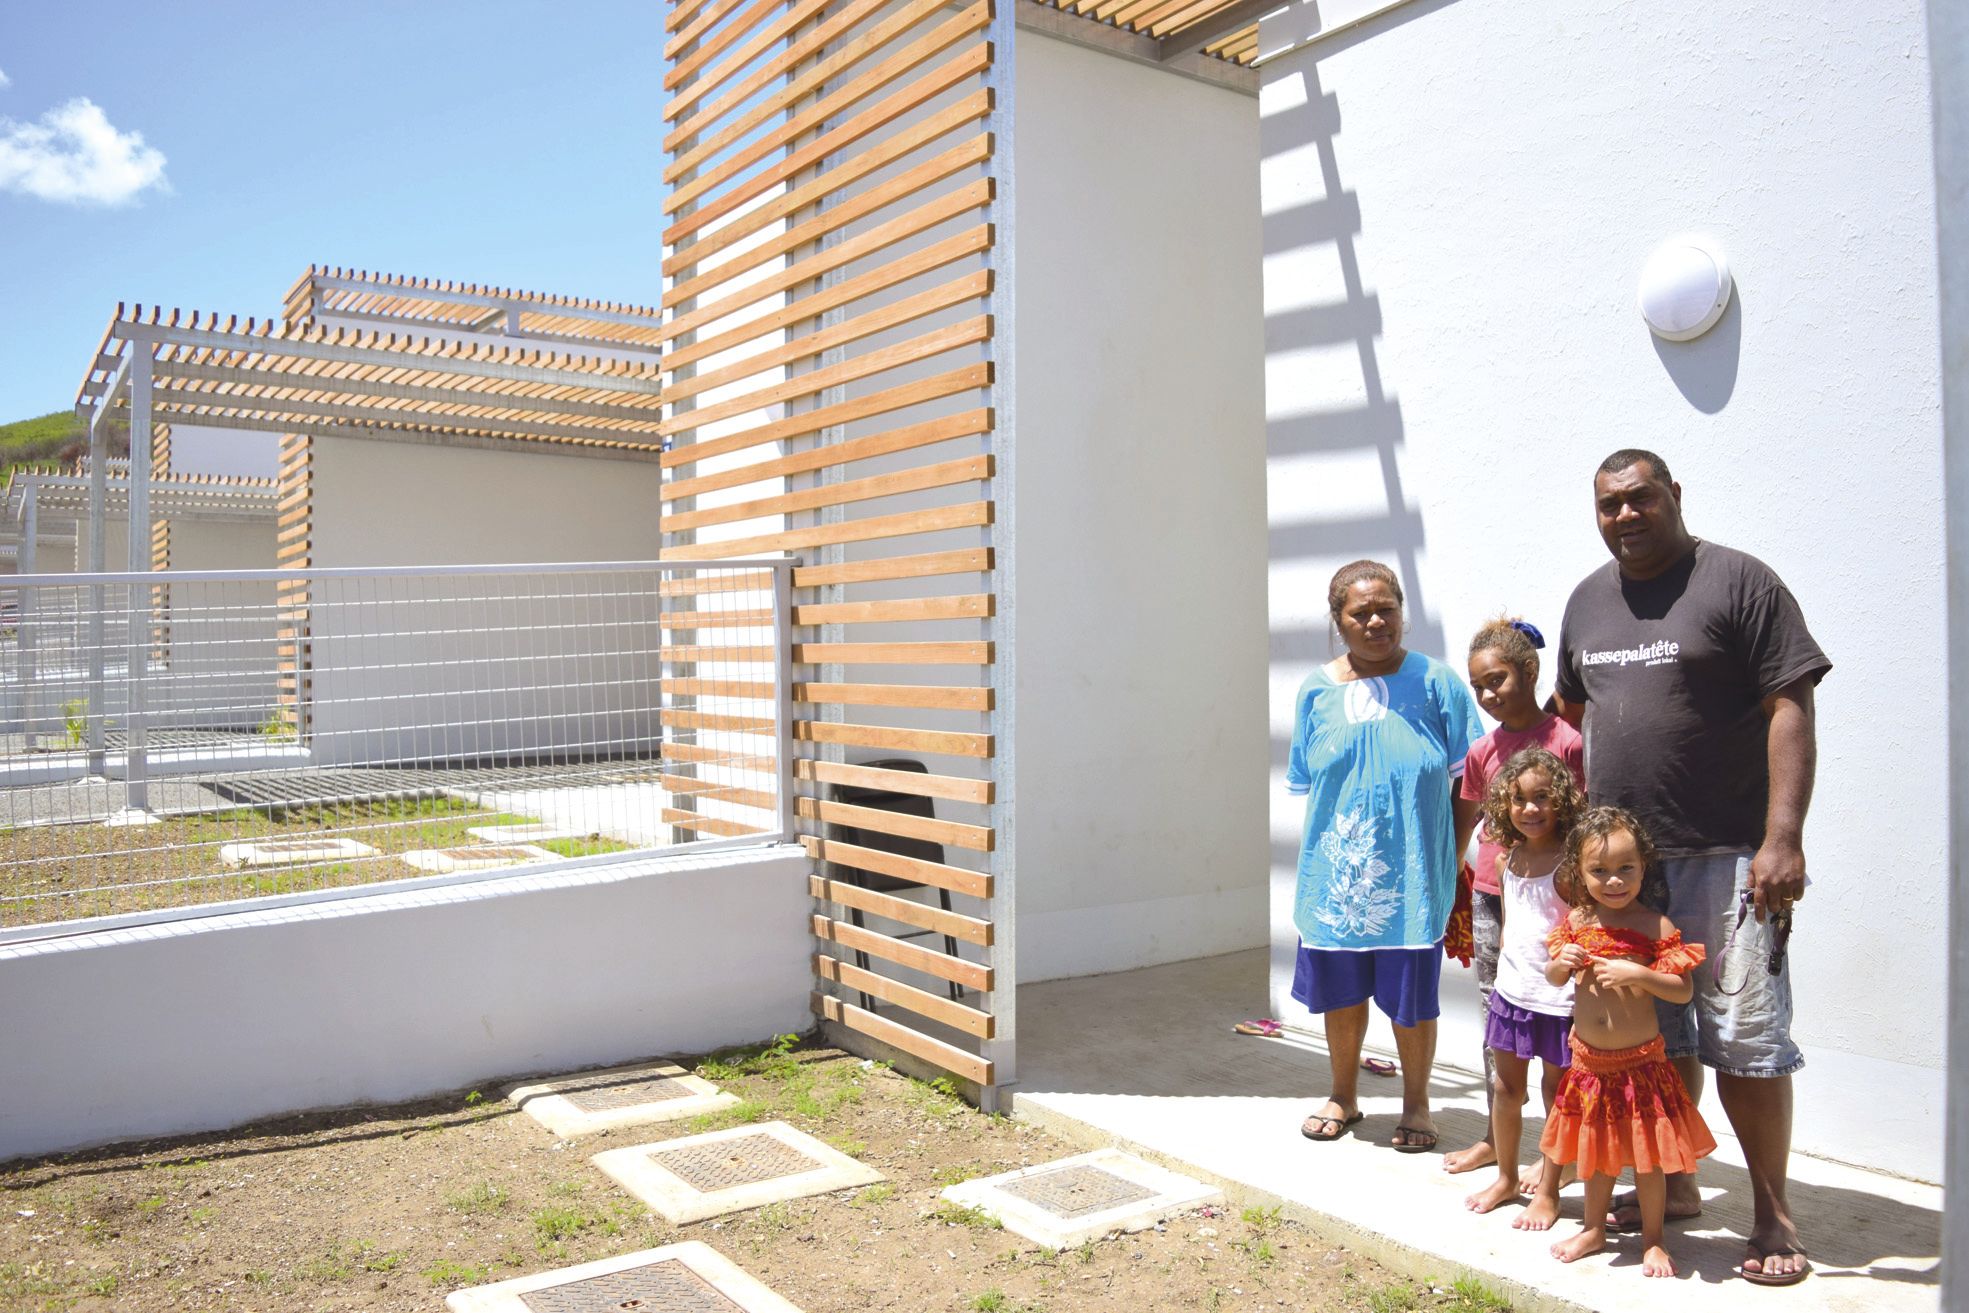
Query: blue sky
x=512, y=143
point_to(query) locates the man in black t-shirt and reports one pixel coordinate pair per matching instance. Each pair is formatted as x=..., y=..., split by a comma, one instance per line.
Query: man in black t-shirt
x=1693, y=670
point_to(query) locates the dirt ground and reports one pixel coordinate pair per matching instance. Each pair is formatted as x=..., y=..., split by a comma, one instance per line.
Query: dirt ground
x=392, y=1208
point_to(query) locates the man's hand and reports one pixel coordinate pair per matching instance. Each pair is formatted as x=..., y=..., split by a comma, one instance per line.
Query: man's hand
x=1777, y=875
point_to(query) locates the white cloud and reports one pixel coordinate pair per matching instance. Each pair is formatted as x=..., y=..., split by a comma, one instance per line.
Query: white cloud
x=74, y=154
x=5, y=81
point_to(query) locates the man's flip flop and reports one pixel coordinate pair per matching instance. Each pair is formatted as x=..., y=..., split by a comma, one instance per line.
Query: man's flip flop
x=1263, y=1026
x=1379, y=1066
x=1314, y=1127
x=1779, y=1278
x=1413, y=1140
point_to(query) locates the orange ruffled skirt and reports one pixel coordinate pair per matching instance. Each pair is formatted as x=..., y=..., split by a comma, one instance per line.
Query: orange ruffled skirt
x=1620, y=1108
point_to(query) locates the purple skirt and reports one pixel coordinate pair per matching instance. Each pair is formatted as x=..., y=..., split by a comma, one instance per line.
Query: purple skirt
x=1509, y=1028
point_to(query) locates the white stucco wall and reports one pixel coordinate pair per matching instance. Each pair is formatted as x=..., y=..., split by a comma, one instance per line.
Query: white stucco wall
x=1140, y=608
x=205, y=1024
x=1457, y=199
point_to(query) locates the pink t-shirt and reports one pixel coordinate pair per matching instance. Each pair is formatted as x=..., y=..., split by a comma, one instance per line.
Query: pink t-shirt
x=1487, y=757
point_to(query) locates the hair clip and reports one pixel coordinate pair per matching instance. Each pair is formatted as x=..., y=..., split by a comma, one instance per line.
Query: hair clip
x=1529, y=630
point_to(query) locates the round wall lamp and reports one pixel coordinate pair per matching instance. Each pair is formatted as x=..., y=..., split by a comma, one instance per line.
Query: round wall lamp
x=1685, y=287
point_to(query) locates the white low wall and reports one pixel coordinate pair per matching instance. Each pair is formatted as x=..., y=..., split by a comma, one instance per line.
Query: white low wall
x=206, y=1024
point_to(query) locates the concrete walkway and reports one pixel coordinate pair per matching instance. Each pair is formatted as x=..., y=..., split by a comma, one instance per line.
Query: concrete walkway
x=1147, y=1059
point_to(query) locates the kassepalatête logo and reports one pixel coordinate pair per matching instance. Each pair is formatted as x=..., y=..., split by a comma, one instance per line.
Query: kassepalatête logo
x=1649, y=653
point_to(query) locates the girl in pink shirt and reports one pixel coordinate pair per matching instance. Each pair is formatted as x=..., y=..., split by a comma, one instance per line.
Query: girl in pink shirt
x=1504, y=676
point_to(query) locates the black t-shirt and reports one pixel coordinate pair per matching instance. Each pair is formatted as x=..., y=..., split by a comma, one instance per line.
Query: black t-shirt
x=1674, y=671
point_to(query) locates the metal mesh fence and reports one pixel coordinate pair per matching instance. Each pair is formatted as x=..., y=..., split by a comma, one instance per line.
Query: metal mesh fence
x=173, y=741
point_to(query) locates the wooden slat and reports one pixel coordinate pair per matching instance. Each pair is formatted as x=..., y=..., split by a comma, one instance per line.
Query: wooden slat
x=843, y=94
x=858, y=366
x=910, y=308
x=920, y=1001
x=701, y=654
x=957, y=879
x=750, y=618
x=966, y=424
x=684, y=820
x=948, y=1056
x=723, y=39
x=967, y=469
x=883, y=112
x=946, y=742
x=966, y=560
x=702, y=720
x=976, y=838
x=949, y=383
x=816, y=39
x=680, y=13
x=969, y=515
x=900, y=270
x=853, y=169
x=714, y=581
x=921, y=915
x=952, y=787
x=696, y=27
x=941, y=697
x=971, y=975
x=786, y=24
x=736, y=688
x=972, y=606
x=689, y=786
x=892, y=654
x=709, y=756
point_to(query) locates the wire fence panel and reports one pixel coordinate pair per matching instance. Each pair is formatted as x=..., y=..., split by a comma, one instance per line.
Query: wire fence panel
x=173, y=741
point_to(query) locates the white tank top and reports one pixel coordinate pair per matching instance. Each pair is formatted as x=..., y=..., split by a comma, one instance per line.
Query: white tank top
x=1532, y=910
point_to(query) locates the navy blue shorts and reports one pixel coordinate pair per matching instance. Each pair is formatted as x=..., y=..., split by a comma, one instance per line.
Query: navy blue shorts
x=1405, y=983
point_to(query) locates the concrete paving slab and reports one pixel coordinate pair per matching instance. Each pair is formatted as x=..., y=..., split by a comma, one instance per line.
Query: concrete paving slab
x=691, y=1277
x=444, y=861
x=592, y=1101
x=1163, y=1076
x=520, y=833
x=286, y=852
x=700, y=1176
x=1069, y=1202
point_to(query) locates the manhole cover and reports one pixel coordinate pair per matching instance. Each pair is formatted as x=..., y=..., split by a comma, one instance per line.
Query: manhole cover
x=729, y=1163
x=1077, y=1191
x=666, y=1287
x=601, y=1093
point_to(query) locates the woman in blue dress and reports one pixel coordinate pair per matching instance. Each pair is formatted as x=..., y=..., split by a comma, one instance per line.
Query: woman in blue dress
x=1378, y=739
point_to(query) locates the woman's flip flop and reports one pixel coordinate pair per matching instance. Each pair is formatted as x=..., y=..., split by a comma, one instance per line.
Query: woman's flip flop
x=1314, y=1127
x=1263, y=1026
x=1379, y=1066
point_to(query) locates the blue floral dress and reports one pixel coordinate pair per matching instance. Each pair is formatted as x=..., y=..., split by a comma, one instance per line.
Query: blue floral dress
x=1376, y=759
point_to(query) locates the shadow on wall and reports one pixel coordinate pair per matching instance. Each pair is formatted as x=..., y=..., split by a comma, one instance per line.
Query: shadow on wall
x=1706, y=369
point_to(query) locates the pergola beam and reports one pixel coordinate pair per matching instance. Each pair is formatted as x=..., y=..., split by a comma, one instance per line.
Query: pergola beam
x=411, y=292
x=183, y=406
x=489, y=323
x=243, y=376
x=1214, y=27
x=582, y=446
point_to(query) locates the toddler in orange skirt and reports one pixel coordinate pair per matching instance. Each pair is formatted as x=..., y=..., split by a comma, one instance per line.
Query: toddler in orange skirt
x=1621, y=1103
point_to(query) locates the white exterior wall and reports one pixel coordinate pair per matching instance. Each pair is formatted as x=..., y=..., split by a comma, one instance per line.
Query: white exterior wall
x=382, y=698
x=396, y=996
x=1141, y=821
x=1458, y=199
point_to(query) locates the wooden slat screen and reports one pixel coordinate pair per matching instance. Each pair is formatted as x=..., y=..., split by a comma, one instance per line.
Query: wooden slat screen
x=828, y=389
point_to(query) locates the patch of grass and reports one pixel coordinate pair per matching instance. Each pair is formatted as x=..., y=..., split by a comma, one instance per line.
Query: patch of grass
x=778, y=1216
x=853, y=1148
x=991, y=1301
x=955, y=1173
x=1400, y=1297
x=150, y=1205
x=102, y=1286
x=483, y=1197
x=966, y=1215
x=553, y=1225
x=371, y=1257
x=447, y=1273
x=879, y=1193
x=587, y=847
x=738, y=1114
x=200, y=1216
x=1086, y=1251
x=1260, y=1220
x=329, y=1267
x=474, y=1099
x=1471, y=1295
x=566, y=1189
x=773, y=1061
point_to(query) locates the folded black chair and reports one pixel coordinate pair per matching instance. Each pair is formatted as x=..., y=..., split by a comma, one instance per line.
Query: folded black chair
x=907, y=804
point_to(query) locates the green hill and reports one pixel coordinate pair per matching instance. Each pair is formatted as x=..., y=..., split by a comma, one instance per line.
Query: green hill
x=45, y=440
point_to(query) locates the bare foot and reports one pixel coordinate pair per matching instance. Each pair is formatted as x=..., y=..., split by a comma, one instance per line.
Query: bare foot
x=1497, y=1193
x=1477, y=1155
x=1683, y=1203
x=1590, y=1240
x=1539, y=1215
x=1655, y=1262
x=1528, y=1183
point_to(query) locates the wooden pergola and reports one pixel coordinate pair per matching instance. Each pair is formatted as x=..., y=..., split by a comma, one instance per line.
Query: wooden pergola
x=398, y=301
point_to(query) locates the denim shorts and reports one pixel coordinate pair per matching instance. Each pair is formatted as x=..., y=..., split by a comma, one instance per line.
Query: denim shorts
x=1742, y=1033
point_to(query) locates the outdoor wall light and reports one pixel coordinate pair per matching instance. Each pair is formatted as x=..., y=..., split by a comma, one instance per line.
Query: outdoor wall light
x=1685, y=287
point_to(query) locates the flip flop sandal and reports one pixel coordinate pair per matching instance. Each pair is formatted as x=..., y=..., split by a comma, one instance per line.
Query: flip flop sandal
x=1313, y=1127
x=1780, y=1279
x=1263, y=1026
x=1411, y=1143
x=1379, y=1066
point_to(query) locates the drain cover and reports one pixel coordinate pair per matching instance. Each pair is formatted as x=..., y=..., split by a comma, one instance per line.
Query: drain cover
x=1077, y=1191
x=667, y=1287
x=726, y=1164
x=600, y=1094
